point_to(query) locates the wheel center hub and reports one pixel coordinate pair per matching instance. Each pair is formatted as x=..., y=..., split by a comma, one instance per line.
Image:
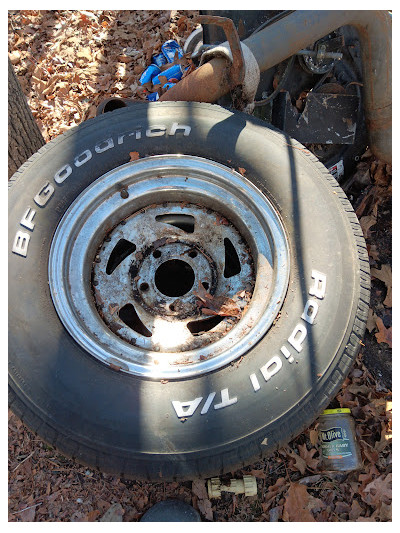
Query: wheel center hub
x=165, y=282
x=174, y=278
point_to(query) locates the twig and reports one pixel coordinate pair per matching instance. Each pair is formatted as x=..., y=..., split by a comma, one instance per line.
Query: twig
x=23, y=461
x=26, y=508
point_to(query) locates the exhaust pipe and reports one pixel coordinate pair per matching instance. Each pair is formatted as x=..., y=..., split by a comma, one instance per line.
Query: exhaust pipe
x=287, y=36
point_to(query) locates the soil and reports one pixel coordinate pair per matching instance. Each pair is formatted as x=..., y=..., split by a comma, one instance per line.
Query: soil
x=67, y=63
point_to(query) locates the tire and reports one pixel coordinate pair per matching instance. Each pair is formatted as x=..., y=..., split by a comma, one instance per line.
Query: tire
x=146, y=419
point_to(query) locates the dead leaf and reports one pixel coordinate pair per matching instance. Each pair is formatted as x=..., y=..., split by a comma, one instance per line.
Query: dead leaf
x=366, y=223
x=298, y=504
x=84, y=53
x=205, y=509
x=359, y=389
x=134, y=156
x=308, y=456
x=273, y=492
x=242, y=171
x=92, y=515
x=378, y=491
x=222, y=306
x=385, y=275
x=299, y=463
x=384, y=334
x=113, y=308
x=219, y=305
x=260, y=474
x=373, y=251
x=384, y=513
x=342, y=507
x=355, y=511
x=380, y=176
x=371, y=320
x=199, y=489
x=15, y=57
x=113, y=514
x=313, y=436
x=385, y=440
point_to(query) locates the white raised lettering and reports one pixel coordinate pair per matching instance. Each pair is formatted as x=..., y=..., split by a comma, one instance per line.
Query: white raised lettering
x=62, y=174
x=21, y=242
x=310, y=311
x=319, y=286
x=225, y=400
x=138, y=134
x=186, y=409
x=104, y=145
x=82, y=158
x=255, y=382
x=26, y=220
x=208, y=403
x=297, y=337
x=156, y=131
x=271, y=368
x=175, y=127
x=287, y=354
x=44, y=195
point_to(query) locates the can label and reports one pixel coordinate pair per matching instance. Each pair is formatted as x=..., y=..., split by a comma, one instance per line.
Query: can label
x=169, y=48
x=337, y=170
x=150, y=72
x=159, y=60
x=174, y=72
x=152, y=97
x=335, y=443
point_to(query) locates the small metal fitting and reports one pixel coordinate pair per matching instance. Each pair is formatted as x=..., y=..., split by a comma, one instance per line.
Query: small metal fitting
x=246, y=486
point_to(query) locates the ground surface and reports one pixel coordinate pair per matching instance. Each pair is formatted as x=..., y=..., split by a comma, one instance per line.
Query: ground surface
x=67, y=63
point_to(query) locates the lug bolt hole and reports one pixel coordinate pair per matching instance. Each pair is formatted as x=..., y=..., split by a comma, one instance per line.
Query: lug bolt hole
x=193, y=254
x=172, y=307
x=156, y=253
x=144, y=287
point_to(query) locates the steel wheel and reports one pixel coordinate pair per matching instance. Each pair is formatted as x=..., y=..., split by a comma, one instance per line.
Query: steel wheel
x=169, y=267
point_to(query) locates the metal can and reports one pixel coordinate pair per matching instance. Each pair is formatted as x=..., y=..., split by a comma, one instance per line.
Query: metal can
x=149, y=73
x=153, y=97
x=167, y=86
x=159, y=59
x=169, y=48
x=173, y=72
x=337, y=440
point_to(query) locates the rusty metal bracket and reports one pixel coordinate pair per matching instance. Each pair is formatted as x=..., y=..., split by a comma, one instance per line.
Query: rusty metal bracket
x=236, y=73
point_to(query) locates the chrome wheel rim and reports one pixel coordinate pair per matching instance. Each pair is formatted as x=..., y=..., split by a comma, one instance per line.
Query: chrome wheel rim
x=131, y=204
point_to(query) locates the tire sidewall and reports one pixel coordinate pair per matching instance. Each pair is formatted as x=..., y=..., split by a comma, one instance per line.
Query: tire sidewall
x=133, y=420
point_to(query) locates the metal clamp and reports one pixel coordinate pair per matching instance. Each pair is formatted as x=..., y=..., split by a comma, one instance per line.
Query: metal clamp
x=236, y=73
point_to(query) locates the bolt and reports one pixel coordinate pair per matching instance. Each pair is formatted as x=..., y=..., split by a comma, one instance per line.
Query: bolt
x=124, y=194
